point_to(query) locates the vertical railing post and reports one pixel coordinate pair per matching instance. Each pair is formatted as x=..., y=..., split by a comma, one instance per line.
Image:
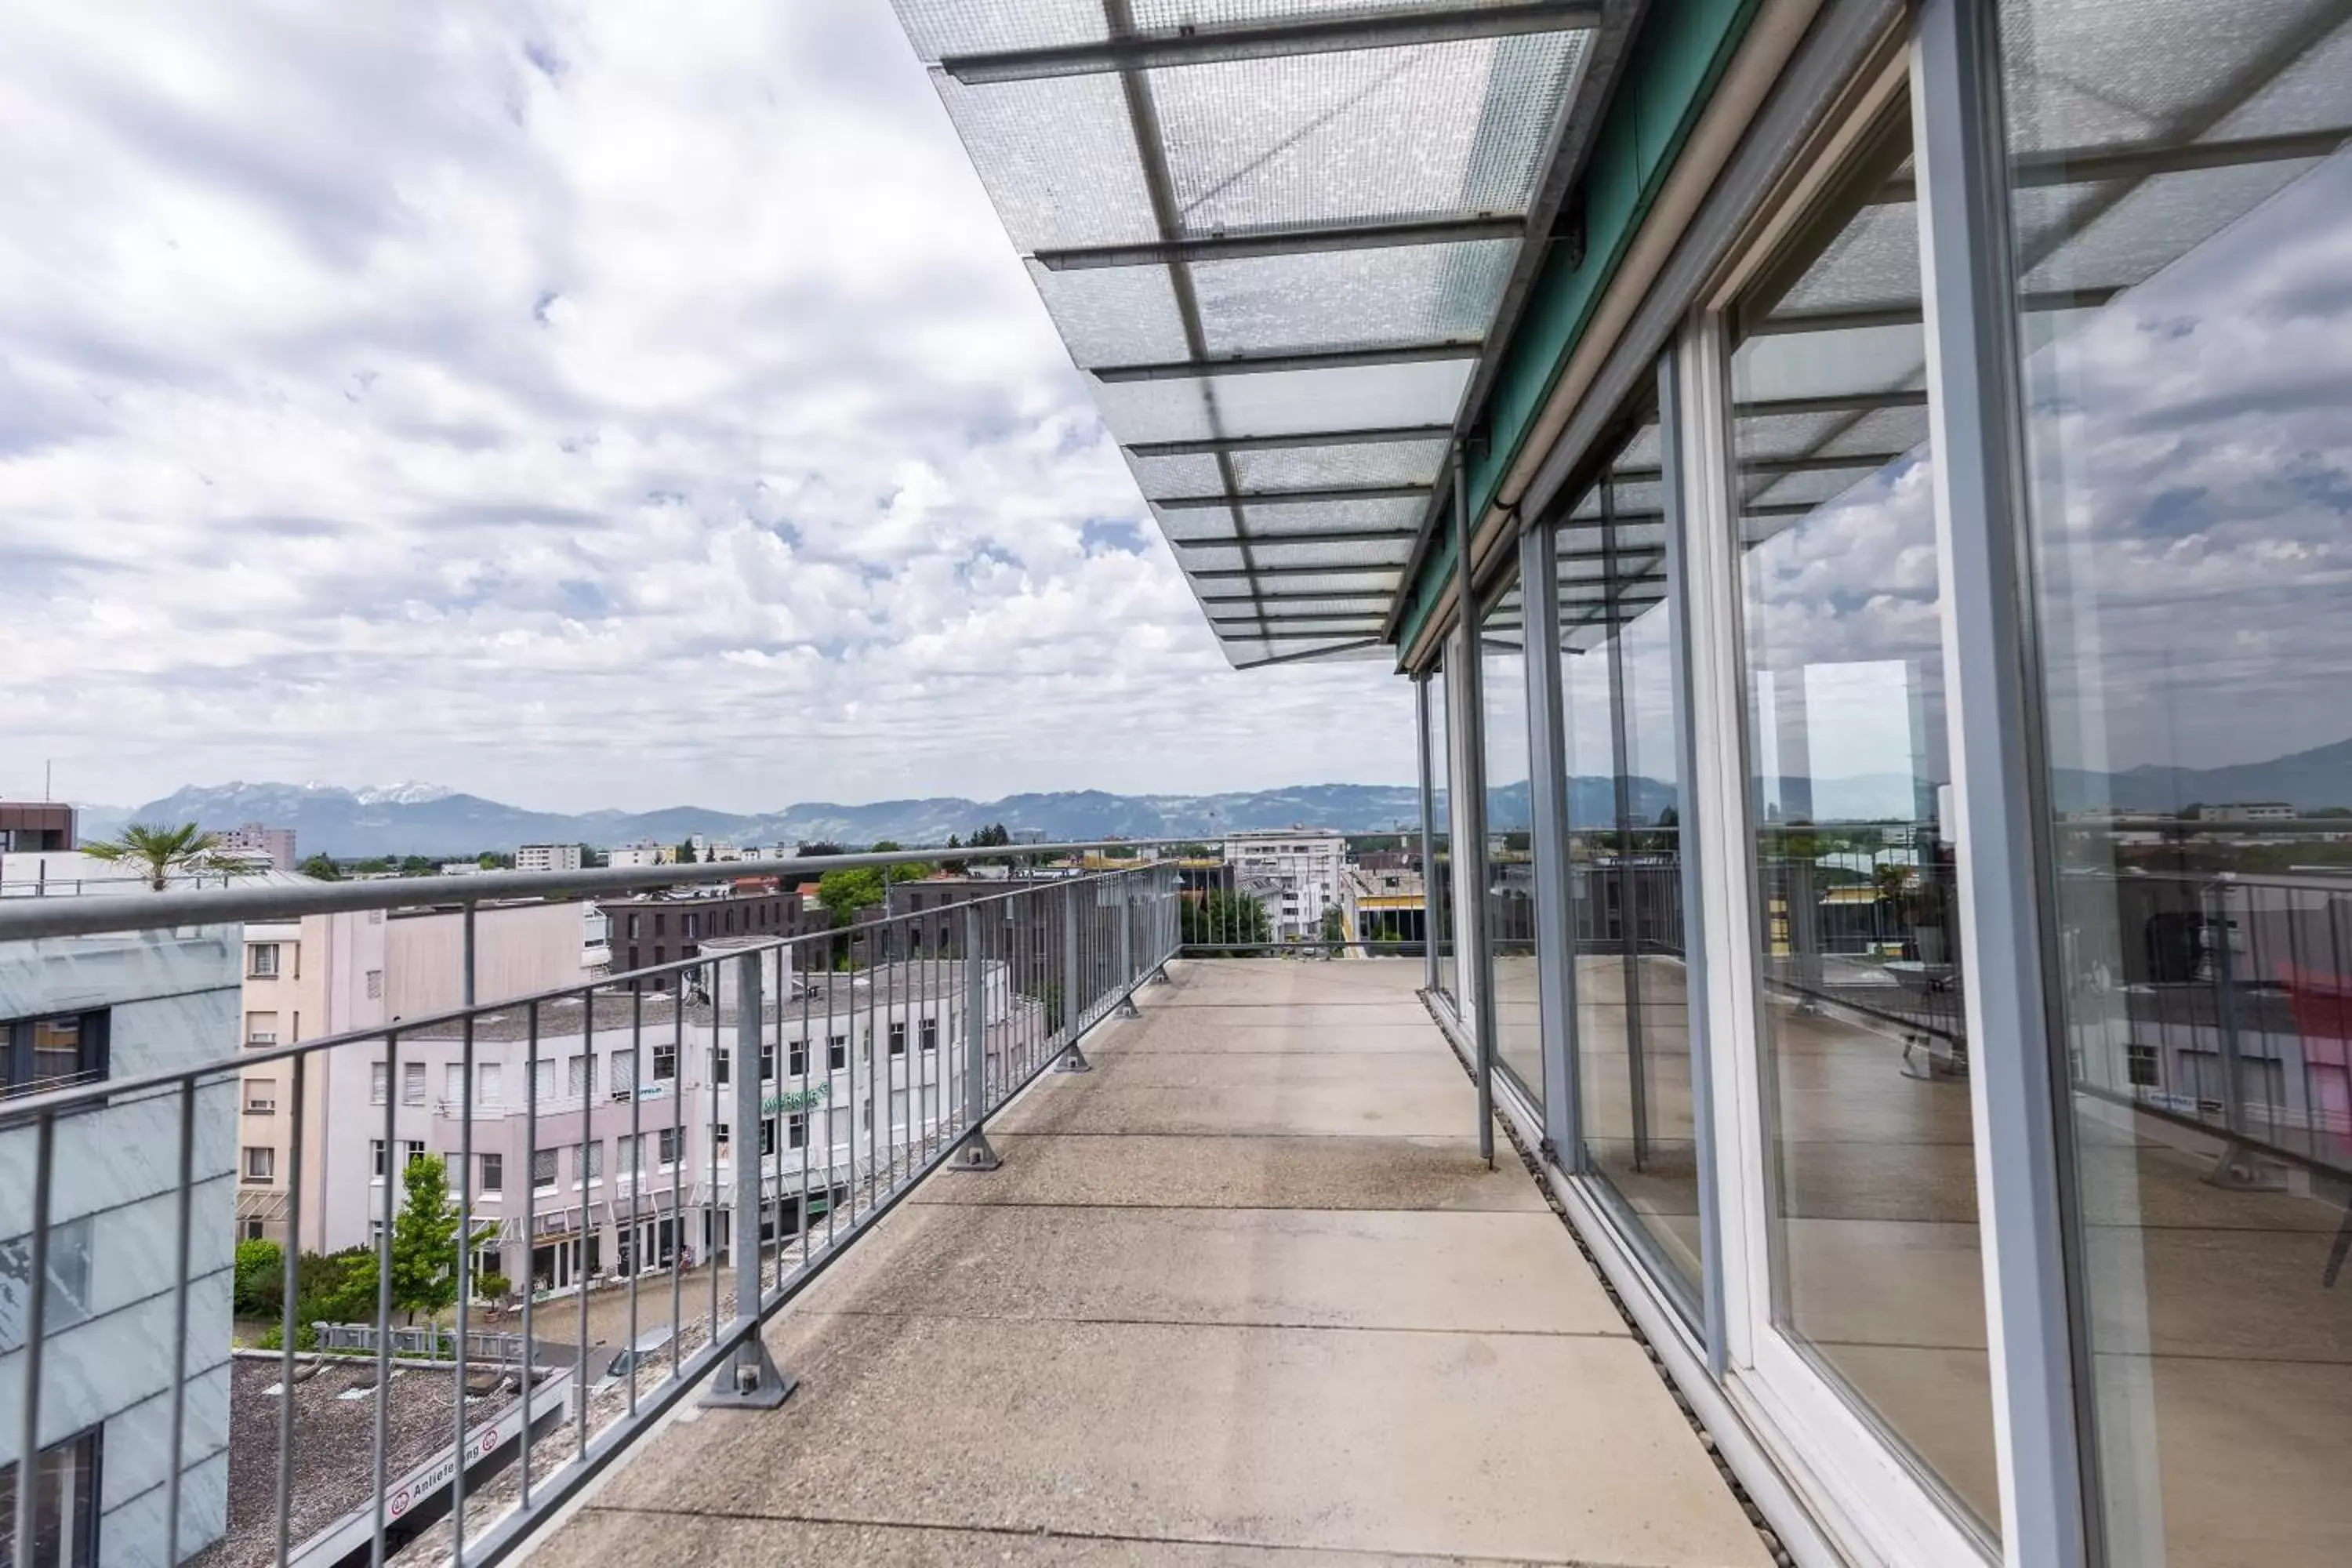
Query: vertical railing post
x=1470, y=848
x=753, y=1380
x=976, y=1154
x=1428, y=836
x=1127, y=976
x=1073, y=1058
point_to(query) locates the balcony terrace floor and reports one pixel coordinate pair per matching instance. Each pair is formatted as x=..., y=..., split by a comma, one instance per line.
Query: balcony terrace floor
x=1242, y=1295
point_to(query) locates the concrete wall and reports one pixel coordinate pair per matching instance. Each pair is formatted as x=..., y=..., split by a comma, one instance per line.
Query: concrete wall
x=172, y=1000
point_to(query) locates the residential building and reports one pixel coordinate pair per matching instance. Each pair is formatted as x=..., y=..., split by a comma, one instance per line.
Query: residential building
x=629, y=1149
x=332, y=974
x=270, y=847
x=83, y=1010
x=642, y=853
x=2247, y=811
x=548, y=857
x=27, y=827
x=1296, y=874
x=647, y=930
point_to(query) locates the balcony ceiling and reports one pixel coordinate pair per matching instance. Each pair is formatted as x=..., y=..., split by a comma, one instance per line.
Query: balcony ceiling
x=1277, y=236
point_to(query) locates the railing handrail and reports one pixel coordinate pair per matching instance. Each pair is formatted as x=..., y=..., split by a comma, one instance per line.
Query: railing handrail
x=32, y=919
x=32, y=1107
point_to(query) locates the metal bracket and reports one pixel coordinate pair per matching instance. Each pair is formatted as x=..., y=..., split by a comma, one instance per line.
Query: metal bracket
x=1127, y=1008
x=753, y=1380
x=977, y=1154
x=1158, y=976
x=1075, y=1060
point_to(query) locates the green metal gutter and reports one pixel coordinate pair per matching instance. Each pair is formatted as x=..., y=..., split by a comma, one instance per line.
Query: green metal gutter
x=1683, y=50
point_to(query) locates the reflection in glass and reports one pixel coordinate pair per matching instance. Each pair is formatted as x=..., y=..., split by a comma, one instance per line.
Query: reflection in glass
x=1876, y=1265
x=1625, y=907
x=2189, y=440
x=1438, y=896
x=1510, y=909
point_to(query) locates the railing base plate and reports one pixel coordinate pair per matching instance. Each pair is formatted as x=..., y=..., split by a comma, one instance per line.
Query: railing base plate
x=977, y=1154
x=750, y=1385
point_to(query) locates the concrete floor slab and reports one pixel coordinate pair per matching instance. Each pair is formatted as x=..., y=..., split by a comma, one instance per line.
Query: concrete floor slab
x=1522, y=1446
x=1501, y=1273
x=624, y=1538
x=1220, y=1306
x=1241, y=1173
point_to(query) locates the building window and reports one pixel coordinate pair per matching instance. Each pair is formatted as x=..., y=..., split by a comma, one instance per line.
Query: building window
x=261, y=960
x=719, y=1067
x=379, y=1077
x=930, y=1033
x=628, y=1154
x=836, y=1053
x=261, y=1097
x=2140, y=1063
x=253, y=1230
x=374, y=984
x=687, y=927
x=796, y=1061
x=588, y=1160
x=64, y=1502
x=543, y=1169
x=624, y=1072
x=492, y=1086
x=52, y=1053
x=260, y=1163
x=899, y=1038
x=661, y=925
x=493, y=1174
x=580, y=1076
x=767, y=1137
x=376, y=1158
x=412, y=1083
x=767, y=1062
x=542, y=1080
x=665, y=1064
x=69, y=1294
x=665, y=1146
x=412, y=1151
x=636, y=924
x=796, y=1130
x=261, y=1028
x=634, y=963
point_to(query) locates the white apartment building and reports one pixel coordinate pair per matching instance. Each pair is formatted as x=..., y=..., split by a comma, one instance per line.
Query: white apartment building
x=339, y=973
x=548, y=857
x=644, y=852
x=100, y=1008
x=1300, y=873
x=626, y=1167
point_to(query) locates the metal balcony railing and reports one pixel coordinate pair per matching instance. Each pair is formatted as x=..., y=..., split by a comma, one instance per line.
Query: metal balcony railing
x=984, y=995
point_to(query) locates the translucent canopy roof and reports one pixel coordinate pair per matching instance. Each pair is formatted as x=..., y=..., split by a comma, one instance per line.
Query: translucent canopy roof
x=1276, y=235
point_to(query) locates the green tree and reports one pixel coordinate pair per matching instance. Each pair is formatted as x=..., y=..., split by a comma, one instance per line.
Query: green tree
x=160, y=853
x=491, y=860
x=686, y=851
x=1220, y=924
x=320, y=868
x=845, y=892
x=260, y=1287
x=425, y=1236
x=417, y=866
x=1335, y=924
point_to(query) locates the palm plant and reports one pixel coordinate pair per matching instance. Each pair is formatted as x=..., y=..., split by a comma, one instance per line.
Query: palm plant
x=159, y=852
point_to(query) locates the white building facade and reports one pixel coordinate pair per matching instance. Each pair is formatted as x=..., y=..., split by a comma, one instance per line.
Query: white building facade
x=1300, y=871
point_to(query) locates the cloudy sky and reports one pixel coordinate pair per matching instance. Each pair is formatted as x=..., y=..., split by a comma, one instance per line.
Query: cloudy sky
x=583, y=405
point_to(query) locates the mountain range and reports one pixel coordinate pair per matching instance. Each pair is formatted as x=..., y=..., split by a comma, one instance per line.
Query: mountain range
x=426, y=819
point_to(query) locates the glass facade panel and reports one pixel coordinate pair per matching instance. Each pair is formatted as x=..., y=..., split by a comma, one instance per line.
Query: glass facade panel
x=1510, y=908
x=1876, y=1267
x=2189, y=462
x=1624, y=800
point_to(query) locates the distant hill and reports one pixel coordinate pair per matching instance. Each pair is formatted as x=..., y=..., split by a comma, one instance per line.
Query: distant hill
x=424, y=819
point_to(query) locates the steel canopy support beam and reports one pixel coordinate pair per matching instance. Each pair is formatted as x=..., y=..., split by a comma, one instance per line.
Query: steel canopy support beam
x=1301, y=241
x=1220, y=445
x=1333, y=493
x=1331, y=536
x=1311, y=359
x=1220, y=574
x=1357, y=646
x=1195, y=46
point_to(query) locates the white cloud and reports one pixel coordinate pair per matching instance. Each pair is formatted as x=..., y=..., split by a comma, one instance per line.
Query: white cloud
x=588, y=405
